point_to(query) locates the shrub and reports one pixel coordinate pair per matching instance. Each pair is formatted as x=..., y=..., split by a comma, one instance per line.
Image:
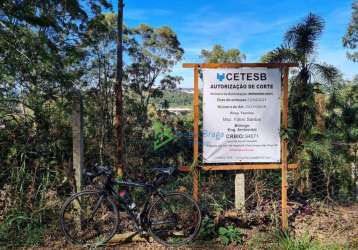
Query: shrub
x=230, y=235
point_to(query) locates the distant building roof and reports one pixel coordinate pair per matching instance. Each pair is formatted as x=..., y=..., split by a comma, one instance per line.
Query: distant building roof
x=188, y=90
x=178, y=110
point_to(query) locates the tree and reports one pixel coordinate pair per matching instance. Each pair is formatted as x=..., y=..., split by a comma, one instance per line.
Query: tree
x=342, y=120
x=152, y=52
x=100, y=48
x=118, y=91
x=41, y=61
x=219, y=55
x=350, y=40
x=300, y=43
x=50, y=33
x=307, y=143
x=147, y=71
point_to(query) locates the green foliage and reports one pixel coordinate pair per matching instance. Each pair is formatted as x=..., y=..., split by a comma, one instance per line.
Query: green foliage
x=208, y=229
x=286, y=242
x=300, y=43
x=219, y=55
x=21, y=229
x=326, y=157
x=230, y=235
x=323, y=150
x=49, y=49
x=216, y=194
x=350, y=39
x=152, y=52
x=174, y=98
x=280, y=54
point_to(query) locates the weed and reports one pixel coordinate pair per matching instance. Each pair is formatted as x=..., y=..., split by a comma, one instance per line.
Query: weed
x=287, y=242
x=20, y=229
x=208, y=229
x=230, y=235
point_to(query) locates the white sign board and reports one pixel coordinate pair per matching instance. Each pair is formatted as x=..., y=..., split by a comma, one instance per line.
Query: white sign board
x=241, y=115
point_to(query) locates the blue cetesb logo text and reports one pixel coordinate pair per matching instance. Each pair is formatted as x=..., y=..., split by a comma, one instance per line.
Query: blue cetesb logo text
x=220, y=77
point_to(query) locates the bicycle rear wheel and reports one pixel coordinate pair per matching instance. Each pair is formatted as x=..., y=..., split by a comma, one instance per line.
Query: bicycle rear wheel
x=174, y=219
x=89, y=218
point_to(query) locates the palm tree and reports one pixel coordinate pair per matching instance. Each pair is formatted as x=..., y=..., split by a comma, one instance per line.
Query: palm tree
x=300, y=43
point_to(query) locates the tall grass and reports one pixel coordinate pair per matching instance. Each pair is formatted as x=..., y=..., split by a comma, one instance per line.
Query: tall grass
x=287, y=242
x=284, y=241
x=20, y=229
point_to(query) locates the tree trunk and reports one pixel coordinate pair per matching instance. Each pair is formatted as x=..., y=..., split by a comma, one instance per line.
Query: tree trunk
x=321, y=110
x=118, y=91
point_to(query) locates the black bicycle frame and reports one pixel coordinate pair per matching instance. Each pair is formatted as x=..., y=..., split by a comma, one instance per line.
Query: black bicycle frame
x=150, y=189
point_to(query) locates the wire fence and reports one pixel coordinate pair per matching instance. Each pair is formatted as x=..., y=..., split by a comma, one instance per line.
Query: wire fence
x=308, y=190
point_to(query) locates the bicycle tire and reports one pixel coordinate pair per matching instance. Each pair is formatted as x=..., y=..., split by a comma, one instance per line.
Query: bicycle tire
x=105, y=202
x=182, y=200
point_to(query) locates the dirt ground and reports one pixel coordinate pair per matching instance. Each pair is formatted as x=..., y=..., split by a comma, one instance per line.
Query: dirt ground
x=327, y=224
x=332, y=224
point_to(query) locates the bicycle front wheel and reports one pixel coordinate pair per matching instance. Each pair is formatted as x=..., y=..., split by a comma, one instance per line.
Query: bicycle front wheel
x=89, y=218
x=174, y=219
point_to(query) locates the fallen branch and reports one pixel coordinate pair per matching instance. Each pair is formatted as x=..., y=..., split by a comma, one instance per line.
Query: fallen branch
x=128, y=237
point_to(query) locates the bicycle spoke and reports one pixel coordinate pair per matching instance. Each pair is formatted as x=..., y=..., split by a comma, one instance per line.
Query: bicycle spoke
x=173, y=219
x=89, y=218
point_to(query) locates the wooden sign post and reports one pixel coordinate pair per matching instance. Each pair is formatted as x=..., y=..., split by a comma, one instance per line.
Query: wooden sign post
x=283, y=164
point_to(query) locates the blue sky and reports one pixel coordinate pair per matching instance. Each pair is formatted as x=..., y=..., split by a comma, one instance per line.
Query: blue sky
x=253, y=26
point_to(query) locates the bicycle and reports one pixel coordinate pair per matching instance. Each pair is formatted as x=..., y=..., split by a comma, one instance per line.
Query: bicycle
x=91, y=217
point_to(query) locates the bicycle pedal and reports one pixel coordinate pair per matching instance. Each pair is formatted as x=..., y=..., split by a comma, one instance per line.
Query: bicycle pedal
x=144, y=233
x=138, y=229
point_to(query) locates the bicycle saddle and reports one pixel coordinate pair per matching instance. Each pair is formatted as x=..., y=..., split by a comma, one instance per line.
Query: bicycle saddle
x=99, y=170
x=164, y=170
